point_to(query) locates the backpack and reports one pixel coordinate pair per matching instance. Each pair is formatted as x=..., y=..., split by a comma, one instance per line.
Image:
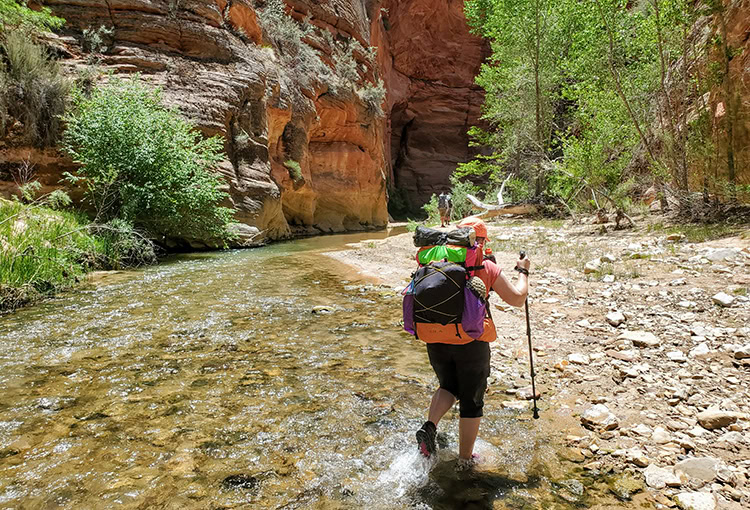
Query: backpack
x=444, y=201
x=438, y=305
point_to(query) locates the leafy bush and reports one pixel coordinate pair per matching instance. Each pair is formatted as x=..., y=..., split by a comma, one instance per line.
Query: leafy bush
x=15, y=15
x=461, y=204
x=119, y=244
x=141, y=162
x=286, y=35
x=295, y=171
x=33, y=90
x=304, y=62
x=373, y=96
x=431, y=210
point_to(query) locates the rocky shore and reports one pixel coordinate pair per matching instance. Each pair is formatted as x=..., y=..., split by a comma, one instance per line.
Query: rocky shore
x=642, y=350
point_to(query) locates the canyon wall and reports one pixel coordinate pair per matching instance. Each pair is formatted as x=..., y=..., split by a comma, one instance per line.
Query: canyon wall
x=429, y=61
x=226, y=74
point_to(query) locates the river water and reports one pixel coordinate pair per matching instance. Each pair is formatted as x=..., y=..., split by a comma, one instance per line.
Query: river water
x=208, y=382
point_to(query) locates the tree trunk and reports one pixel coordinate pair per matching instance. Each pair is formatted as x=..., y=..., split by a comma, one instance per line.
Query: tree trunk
x=728, y=105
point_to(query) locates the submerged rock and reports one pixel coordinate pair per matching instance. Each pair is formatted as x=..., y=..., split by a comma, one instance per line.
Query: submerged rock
x=624, y=486
x=240, y=481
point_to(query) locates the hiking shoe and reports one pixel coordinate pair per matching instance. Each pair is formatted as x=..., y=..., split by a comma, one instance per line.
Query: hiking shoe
x=426, y=439
x=467, y=464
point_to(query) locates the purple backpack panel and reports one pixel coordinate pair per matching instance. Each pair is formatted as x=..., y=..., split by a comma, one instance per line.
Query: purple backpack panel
x=475, y=311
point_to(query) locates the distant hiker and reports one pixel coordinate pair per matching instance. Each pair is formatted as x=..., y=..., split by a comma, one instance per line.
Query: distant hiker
x=445, y=204
x=459, y=352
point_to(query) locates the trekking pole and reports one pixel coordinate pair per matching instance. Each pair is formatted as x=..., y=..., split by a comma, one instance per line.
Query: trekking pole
x=531, y=351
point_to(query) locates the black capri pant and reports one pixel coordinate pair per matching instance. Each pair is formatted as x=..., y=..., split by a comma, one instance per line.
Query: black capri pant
x=463, y=370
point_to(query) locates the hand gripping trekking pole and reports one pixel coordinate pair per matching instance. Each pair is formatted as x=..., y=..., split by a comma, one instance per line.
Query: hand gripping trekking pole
x=531, y=351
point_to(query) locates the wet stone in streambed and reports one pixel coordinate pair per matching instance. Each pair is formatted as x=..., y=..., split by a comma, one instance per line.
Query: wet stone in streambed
x=240, y=482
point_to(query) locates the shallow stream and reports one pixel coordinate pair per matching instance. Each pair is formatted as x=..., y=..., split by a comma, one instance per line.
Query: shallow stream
x=208, y=382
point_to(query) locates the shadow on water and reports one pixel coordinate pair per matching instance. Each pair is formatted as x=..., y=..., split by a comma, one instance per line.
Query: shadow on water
x=245, y=379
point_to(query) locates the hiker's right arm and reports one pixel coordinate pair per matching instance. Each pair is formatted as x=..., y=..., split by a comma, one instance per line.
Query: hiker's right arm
x=514, y=295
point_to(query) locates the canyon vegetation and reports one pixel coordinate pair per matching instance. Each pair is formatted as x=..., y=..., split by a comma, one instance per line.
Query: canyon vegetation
x=245, y=122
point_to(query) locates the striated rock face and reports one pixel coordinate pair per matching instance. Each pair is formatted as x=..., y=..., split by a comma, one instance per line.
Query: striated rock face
x=429, y=61
x=218, y=66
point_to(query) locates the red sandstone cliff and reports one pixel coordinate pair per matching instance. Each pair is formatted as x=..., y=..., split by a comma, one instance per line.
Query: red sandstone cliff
x=214, y=62
x=429, y=61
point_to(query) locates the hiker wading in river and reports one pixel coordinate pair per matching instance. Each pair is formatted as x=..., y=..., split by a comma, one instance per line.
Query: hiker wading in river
x=462, y=363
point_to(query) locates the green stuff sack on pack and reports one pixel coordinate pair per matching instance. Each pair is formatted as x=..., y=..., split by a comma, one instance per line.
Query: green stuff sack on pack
x=455, y=254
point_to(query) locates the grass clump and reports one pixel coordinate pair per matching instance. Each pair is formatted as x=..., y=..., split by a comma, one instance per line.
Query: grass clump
x=44, y=250
x=144, y=164
x=295, y=170
x=33, y=90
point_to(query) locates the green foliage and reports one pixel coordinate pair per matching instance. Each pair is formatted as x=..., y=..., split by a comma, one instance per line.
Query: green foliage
x=344, y=78
x=287, y=35
x=33, y=91
x=697, y=232
x=295, y=170
x=461, y=204
x=141, y=162
x=43, y=251
x=565, y=99
x=15, y=15
x=96, y=41
x=372, y=96
x=120, y=245
x=431, y=210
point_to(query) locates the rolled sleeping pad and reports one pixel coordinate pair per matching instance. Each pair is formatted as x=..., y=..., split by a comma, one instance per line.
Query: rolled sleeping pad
x=425, y=236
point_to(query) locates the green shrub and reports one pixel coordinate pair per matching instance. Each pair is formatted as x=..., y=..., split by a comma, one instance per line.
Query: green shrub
x=15, y=16
x=286, y=34
x=295, y=171
x=119, y=244
x=373, y=96
x=34, y=90
x=431, y=210
x=141, y=162
x=461, y=204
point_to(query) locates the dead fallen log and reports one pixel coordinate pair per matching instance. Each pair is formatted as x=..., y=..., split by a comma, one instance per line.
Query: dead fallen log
x=492, y=210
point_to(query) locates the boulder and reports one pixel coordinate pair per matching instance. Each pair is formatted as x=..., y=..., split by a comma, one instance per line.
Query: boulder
x=696, y=501
x=716, y=418
x=641, y=338
x=593, y=266
x=742, y=352
x=700, y=468
x=723, y=299
x=659, y=478
x=599, y=417
x=699, y=351
x=615, y=318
